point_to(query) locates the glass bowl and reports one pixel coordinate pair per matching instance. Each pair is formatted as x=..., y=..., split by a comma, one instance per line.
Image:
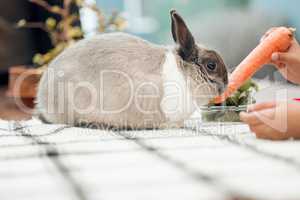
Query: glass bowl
x=222, y=113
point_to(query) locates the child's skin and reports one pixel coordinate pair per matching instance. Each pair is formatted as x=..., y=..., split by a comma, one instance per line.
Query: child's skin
x=284, y=117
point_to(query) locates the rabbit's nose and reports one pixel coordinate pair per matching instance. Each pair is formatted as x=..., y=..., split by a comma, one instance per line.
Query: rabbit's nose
x=221, y=88
x=222, y=85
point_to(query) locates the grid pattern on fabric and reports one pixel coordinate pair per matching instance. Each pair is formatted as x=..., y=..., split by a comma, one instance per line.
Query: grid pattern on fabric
x=213, y=161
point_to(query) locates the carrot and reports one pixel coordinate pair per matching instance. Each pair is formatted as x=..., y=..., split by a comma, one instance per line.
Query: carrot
x=277, y=41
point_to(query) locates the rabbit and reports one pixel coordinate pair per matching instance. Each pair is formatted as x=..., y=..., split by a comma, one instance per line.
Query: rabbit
x=121, y=81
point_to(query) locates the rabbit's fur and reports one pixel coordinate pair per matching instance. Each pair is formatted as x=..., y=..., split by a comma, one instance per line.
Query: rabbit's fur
x=119, y=80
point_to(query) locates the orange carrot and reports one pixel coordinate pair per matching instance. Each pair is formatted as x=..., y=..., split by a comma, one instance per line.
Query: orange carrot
x=277, y=41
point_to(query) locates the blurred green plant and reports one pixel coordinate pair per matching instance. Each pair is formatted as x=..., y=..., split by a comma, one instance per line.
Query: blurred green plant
x=243, y=96
x=66, y=31
x=230, y=109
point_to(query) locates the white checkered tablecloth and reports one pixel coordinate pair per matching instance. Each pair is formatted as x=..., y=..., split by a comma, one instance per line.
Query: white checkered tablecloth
x=39, y=161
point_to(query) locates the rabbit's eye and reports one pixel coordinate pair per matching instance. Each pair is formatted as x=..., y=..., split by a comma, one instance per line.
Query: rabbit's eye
x=211, y=65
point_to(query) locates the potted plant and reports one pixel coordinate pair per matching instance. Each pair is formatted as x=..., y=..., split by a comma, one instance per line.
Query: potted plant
x=65, y=31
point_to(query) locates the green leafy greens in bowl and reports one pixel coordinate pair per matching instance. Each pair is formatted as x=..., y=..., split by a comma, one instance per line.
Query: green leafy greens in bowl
x=230, y=109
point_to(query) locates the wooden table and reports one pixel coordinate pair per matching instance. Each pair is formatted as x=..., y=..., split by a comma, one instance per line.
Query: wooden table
x=9, y=110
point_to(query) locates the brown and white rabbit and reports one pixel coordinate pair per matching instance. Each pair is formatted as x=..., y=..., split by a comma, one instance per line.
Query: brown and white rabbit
x=119, y=80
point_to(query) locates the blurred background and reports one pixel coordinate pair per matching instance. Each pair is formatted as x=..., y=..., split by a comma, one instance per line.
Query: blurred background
x=232, y=27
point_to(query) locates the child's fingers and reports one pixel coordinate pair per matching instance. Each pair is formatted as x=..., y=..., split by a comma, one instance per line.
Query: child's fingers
x=279, y=65
x=283, y=58
x=261, y=106
x=250, y=118
x=263, y=131
x=257, y=117
x=294, y=42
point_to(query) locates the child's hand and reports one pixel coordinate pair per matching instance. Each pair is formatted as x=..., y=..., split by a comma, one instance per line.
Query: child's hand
x=288, y=63
x=275, y=121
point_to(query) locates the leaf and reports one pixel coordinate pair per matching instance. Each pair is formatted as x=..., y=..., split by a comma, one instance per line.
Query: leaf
x=246, y=86
x=21, y=23
x=38, y=59
x=75, y=32
x=51, y=23
x=243, y=96
x=55, y=9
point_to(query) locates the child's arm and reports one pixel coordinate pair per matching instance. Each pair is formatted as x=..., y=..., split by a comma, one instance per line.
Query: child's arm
x=288, y=63
x=275, y=121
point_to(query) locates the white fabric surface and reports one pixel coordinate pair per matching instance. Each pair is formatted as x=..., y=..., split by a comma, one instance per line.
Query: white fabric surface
x=212, y=161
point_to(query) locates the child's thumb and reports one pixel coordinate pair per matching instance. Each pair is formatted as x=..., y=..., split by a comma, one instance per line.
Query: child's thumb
x=282, y=57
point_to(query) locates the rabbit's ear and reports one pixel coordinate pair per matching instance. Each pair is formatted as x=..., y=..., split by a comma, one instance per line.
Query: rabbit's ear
x=182, y=35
